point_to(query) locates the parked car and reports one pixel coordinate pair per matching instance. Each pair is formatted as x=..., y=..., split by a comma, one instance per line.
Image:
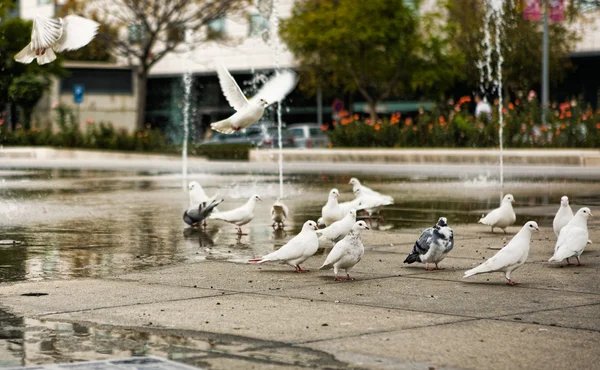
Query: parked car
x=261, y=136
x=309, y=135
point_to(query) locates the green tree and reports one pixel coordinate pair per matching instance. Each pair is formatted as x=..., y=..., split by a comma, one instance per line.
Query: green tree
x=521, y=42
x=378, y=48
x=26, y=91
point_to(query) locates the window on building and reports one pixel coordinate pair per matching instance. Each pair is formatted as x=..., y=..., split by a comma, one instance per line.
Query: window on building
x=258, y=25
x=216, y=29
x=100, y=81
x=136, y=33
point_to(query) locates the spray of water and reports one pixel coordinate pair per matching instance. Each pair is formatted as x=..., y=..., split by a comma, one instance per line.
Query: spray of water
x=494, y=12
x=277, y=45
x=187, y=89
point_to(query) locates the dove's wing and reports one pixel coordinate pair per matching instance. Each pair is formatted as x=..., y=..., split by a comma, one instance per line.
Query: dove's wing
x=45, y=32
x=277, y=88
x=231, y=90
x=492, y=217
x=573, y=240
x=504, y=258
x=294, y=249
x=78, y=32
x=422, y=245
x=336, y=254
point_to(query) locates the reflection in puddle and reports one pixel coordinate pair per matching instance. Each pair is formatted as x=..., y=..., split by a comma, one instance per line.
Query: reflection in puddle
x=94, y=223
x=26, y=341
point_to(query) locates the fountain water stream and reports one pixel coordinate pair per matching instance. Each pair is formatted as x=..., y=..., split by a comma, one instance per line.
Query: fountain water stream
x=494, y=12
x=187, y=90
x=277, y=46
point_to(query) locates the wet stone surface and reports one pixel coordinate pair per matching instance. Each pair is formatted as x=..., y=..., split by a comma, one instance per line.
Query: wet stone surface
x=104, y=267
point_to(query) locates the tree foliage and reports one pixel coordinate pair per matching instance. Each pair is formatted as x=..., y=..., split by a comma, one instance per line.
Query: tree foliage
x=521, y=42
x=25, y=91
x=379, y=48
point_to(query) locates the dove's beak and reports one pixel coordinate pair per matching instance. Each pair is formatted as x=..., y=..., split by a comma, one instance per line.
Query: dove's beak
x=537, y=229
x=316, y=227
x=591, y=215
x=366, y=227
x=259, y=198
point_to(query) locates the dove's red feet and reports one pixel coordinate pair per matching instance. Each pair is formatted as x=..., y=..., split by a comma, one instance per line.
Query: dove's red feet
x=511, y=282
x=337, y=279
x=348, y=278
x=300, y=269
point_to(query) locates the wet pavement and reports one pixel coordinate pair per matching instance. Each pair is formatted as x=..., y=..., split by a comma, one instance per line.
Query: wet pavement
x=126, y=226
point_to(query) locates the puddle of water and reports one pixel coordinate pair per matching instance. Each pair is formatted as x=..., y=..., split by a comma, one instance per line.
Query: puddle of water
x=96, y=223
x=26, y=341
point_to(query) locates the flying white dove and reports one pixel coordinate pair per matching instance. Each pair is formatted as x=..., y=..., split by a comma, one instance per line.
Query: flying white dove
x=238, y=216
x=509, y=258
x=297, y=250
x=250, y=111
x=563, y=215
x=279, y=213
x=501, y=217
x=572, y=238
x=194, y=215
x=368, y=191
x=433, y=245
x=339, y=229
x=51, y=35
x=331, y=211
x=347, y=252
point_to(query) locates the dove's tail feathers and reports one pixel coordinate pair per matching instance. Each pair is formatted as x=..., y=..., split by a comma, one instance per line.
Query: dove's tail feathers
x=412, y=258
x=26, y=55
x=256, y=260
x=326, y=266
x=47, y=57
x=223, y=126
x=78, y=32
x=477, y=270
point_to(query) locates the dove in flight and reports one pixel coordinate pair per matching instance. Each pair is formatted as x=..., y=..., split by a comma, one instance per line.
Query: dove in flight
x=250, y=111
x=50, y=35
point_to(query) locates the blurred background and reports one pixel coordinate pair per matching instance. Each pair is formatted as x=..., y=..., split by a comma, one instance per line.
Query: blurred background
x=399, y=73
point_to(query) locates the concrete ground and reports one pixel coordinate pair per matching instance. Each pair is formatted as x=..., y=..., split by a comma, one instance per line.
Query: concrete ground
x=393, y=316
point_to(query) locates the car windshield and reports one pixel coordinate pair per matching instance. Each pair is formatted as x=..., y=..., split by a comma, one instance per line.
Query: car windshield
x=297, y=132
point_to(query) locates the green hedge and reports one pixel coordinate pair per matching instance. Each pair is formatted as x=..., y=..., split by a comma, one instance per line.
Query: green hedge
x=222, y=151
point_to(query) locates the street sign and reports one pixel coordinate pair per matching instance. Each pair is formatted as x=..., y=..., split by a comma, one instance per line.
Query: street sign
x=337, y=105
x=78, y=91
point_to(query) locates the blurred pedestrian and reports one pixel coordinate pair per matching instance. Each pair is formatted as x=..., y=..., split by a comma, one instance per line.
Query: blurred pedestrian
x=483, y=108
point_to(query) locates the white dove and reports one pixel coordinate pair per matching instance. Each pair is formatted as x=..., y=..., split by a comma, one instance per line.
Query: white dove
x=433, y=245
x=238, y=216
x=279, y=213
x=250, y=111
x=511, y=257
x=501, y=217
x=51, y=35
x=339, y=229
x=572, y=238
x=563, y=215
x=351, y=204
x=331, y=211
x=371, y=203
x=297, y=250
x=368, y=191
x=347, y=252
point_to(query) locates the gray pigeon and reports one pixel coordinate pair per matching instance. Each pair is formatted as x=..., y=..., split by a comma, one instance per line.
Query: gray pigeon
x=199, y=212
x=433, y=245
